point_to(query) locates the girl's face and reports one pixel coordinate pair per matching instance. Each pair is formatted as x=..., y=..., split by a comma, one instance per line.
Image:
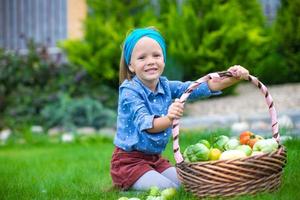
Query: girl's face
x=147, y=61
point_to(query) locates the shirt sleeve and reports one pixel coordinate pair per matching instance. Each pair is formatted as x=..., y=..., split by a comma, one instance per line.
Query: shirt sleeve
x=202, y=91
x=137, y=110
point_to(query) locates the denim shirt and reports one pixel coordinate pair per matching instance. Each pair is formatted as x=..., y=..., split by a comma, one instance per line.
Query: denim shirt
x=138, y=106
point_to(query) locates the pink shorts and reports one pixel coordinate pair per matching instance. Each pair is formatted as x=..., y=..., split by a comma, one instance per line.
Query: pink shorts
x=127, y=167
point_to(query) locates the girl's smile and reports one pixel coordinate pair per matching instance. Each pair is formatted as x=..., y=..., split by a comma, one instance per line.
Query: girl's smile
x=151, y=70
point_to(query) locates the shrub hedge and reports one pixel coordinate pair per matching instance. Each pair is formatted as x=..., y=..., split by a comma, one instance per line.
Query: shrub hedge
x=35, y=83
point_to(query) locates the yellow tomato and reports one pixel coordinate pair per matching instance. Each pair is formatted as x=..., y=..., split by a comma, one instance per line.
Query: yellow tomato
x=214, y=154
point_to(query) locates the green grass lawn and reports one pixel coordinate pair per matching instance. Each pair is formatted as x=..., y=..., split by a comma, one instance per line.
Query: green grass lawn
x=44, y=170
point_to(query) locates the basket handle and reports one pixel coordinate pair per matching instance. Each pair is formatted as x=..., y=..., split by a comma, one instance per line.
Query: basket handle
x=217, y=76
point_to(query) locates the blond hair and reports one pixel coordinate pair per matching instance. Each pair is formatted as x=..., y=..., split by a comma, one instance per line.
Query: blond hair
x=124, y=72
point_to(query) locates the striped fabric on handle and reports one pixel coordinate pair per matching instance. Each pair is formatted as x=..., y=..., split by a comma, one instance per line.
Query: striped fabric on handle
x=217, y=77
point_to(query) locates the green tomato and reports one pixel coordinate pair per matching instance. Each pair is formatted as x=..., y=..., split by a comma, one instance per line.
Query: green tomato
x=134, y=198
x=220, y=142
x=185, y=153
x=123, y=198
x=232, y=144
x=205, y=142
x=154, y=191
x=187, y=160
x=245, y=148
x=266, y=146
x=273, y=143
x=193, y=158
x=168, y=194
x=259, y=145
x=201, y=152
x=188, y=151
x=197, y=152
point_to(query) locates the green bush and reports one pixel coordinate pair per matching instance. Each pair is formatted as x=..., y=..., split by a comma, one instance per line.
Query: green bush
x=283, y=57
x=202, y=36
x=209, y=36
x=77, y=112
x=105, y=29
x=30, y=82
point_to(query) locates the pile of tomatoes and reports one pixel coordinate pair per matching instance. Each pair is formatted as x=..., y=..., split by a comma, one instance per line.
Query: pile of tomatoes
x=249, y=138
x=223, y=147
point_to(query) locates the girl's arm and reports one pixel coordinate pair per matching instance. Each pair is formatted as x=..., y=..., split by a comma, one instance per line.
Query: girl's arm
x=238, y=72
x=176, y=108
x=222, y=84
x=161, y=123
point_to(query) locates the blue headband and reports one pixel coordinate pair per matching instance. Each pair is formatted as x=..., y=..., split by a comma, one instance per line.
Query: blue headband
x=136, y=35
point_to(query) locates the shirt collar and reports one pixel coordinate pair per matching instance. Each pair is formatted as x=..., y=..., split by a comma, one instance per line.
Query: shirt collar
x=160, y=89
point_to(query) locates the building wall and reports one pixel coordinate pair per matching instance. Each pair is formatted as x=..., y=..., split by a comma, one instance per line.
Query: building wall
x=44, y=21
x=76, y=13
x=49, y=21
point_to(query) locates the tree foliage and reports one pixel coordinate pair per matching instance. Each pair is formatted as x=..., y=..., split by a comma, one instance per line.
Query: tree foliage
x=283, y=59
x=31, y=82
x=105, y=29
x=209, y=36
x=202, y=37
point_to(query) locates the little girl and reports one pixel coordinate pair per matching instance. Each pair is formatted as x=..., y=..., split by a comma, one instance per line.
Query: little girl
x=146, y=112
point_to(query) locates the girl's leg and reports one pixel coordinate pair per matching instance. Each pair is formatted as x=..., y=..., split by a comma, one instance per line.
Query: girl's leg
x=171, y=174
x=153, y=178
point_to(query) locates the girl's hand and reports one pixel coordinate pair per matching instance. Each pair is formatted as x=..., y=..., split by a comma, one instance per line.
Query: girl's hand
x=175, y=110
x=239, y=72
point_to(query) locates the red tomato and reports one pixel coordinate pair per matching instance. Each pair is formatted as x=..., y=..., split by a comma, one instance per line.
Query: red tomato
x=254, y=139
x=245, y=137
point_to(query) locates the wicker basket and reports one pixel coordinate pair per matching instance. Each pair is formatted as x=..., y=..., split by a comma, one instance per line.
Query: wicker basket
x=224, y=178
